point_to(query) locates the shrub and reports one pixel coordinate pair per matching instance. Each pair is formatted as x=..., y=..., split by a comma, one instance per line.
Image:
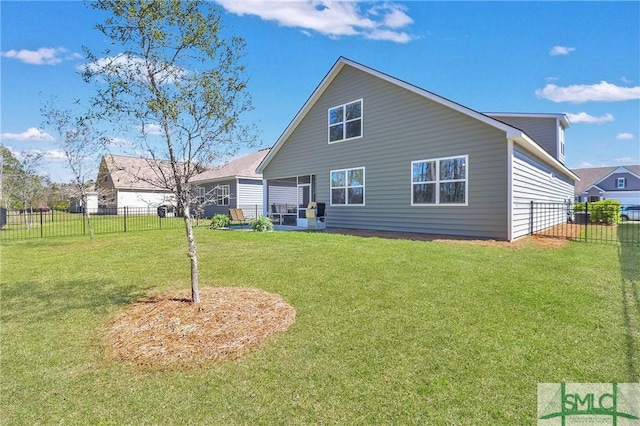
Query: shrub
x=220, y=221
x=605, y=211
x=262, y=224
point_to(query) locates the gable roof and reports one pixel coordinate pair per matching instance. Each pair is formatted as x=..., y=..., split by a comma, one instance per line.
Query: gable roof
x=592, y=176
x=242, y=167
x=511, y=132
x=133, y=172
x=561, y=117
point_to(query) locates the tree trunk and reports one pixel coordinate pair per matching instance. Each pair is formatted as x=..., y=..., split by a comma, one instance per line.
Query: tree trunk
x=85, y=211
x=193, y=256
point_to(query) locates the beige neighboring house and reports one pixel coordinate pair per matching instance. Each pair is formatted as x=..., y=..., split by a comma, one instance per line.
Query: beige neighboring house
x=129, y=182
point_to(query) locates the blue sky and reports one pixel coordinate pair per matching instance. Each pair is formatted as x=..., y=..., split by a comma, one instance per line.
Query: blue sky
x=578, y=58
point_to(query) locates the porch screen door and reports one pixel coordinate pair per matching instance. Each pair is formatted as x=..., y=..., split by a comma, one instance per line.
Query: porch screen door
x=304, y=198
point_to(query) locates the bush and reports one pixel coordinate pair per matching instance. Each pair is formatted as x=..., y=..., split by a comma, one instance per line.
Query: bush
x=220, y=221
x=262, y=224
x=605, y=211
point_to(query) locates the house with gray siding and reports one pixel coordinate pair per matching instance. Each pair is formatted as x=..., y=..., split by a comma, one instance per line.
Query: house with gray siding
x=620, y=183
x=383, y=154
x=232, y=185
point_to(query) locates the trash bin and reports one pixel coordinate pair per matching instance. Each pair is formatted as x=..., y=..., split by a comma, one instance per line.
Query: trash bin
x=582, y=218
x=162, y=211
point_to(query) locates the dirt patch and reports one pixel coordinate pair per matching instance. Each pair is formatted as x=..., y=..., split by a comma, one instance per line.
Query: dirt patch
x=551, y=240
x=167, y=331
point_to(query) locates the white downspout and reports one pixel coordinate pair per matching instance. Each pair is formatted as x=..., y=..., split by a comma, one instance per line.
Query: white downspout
x=510, y=189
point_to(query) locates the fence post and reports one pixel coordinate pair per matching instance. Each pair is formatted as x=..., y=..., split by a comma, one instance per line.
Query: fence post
x=41, y=227
x=531, y=218
x=586, y=221
x=125, y=218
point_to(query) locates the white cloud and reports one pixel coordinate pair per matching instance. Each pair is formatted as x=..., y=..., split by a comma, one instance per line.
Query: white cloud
x=584, y=165
x=583, y=117
x=32, y=134
x=580, y=93
x=626, y=160
x=151, y=129
x=331, y=18
x=132, y=68
x=388, y=35
x=52, y=154
x=624, y=136
x=561, y=50
x=47, y=154
x=42, y=56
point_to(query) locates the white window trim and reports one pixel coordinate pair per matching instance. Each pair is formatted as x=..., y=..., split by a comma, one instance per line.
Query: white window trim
x=346, y=195
x=344, y=122
x=200, y=194
x=619, y=181
x=561, y=148
x=438, y=182
x=218, y=196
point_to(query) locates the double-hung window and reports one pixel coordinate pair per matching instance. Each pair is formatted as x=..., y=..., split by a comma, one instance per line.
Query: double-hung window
x=221, y=195
x=347, y=187
x=621, y=183
x=345, y=121
x=200, y=194
x=439, y=181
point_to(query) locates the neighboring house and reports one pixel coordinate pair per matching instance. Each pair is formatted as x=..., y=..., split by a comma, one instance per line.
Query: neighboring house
x=232, y=185
x=386, y=155
x=75, y=203
x=129, y=182
x=620, y=183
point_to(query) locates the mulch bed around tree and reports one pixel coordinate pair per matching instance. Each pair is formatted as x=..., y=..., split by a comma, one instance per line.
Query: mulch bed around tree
x=167, y=331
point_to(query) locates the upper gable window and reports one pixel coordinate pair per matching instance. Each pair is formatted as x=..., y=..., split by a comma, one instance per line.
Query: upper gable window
x=345, y=121
x=621, y=183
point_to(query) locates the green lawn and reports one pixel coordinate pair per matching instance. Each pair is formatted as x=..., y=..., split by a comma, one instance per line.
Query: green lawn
x=387, y=331
x=55, y=224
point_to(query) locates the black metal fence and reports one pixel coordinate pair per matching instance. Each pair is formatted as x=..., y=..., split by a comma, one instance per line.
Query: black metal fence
x=589, y=222
x=20, y=225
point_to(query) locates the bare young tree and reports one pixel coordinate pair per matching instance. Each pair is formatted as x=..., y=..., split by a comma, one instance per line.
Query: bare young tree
x=179, y=81
x=80, y=144
x=24, y=186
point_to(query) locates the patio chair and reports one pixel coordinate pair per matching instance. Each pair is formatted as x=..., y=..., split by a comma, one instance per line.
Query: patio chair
x=237, y=217
x=275, y=215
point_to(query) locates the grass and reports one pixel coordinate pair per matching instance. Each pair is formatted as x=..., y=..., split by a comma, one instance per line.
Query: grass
x=387, y=331
x=56, y=223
